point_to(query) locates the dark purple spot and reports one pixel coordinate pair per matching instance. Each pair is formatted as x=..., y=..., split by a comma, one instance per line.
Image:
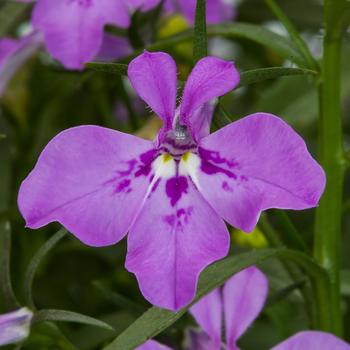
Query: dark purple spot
x=155, y=185
x=226, y=187
x=175, y=187
x=214, y=156
x=243, y=178
x=81, y=3
x=146, y=158
x=211, y=169
x=123, y=185
x=131, y=166
x=170, y=219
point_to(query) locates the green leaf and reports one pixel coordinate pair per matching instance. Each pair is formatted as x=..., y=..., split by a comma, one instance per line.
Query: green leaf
x=261, y=74
x=294, y=34
x=7, y=294
x=35, y=262
x=200, y=41
x=69, y=316
x=112, y=68
x=155, y=320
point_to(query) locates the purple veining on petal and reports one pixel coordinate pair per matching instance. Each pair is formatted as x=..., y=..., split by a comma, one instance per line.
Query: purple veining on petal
x=124, y=186
x=214, y=156
x=226, y=187
x=175, y=187
x=146, y=166
x=180, y=219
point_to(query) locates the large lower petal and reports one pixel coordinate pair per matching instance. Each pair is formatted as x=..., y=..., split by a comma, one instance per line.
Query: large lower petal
x=199, y=341
x=176, y=235
x=255, y=164
x=153, y=76
x=211, y=77
x=208, y=314
x=90, y=179
x=313, y=340
x=244, y=296
x=73, y=29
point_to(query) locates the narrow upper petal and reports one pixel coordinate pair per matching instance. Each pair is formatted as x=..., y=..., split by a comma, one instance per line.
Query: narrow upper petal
x=313, y=340
x=14, y=53
x=73, y=29
x=176, y=235
x=211, y=77
x=15, y=326
x=90, y=179
x=255, y=164
x=208, y=314
x=152, y=345
x=113, y=48
x=217, y=10
x=244, y=296
x=153, y=76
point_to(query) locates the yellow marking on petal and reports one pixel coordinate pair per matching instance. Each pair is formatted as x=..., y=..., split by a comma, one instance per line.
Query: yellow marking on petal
x=186, y=156
x=167, y=158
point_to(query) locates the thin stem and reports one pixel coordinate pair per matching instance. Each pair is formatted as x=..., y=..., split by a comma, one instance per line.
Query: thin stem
x=200, y=41
x=329, y=212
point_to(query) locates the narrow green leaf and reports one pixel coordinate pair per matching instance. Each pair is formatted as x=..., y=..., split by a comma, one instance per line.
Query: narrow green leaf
x=35, y=262
x=69, y=316
x=155, y=320
x=7, y=294
x=294, y=34
x=200, y=41
x=112, y=68
x=261, y=74
x=284, y=293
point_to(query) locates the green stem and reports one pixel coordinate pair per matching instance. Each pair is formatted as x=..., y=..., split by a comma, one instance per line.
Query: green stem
x=329, y=212
x=200, y=42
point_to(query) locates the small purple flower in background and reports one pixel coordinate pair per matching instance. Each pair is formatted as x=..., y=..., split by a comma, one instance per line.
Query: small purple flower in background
x=218, y=11
x=234, y=307
x=15, y=326
x=172, y=194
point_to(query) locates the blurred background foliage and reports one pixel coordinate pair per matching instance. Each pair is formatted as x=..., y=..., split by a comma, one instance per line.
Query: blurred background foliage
x=44, y=99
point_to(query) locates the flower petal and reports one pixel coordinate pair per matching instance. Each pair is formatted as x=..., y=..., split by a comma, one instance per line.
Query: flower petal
x=211, y=77
x=199, y=341
x=217, y=10
x=14, y=53
x=152, y=345
x=113, y=48
x=313, y=340
x=176, y=235
x=208, y=314
x=244, y=296
x=15, y=326
x=74, y=29
x=255, y=164
x=153, y=76
x=90, y=179
x=144, y=5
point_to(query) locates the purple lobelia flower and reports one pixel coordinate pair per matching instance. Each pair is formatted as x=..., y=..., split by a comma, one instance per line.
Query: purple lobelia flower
x=233, y=308
x=218, y=11
x=73, y=29
x=172, y=194
x=15, y=326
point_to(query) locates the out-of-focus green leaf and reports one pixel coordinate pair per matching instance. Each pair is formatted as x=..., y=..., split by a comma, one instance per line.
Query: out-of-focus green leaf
x=6, y=291
x=345, y=282
x=257, y=75
x=9, y=14
x=155, y=320
x=112, y=68
x=69, y=316
x=200, y=41
x=35, y=262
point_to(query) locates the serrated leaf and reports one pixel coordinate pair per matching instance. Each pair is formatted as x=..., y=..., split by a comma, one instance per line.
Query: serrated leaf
x=69, y=316
x=35, y=262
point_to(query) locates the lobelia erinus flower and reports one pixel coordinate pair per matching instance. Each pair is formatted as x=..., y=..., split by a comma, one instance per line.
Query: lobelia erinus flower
x=172, y=195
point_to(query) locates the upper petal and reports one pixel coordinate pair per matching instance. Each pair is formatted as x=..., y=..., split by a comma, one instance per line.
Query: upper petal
x=90, y=179
x=208, y=314
x=199, y=341
x=313, y=340
x=113, y=48
x=211, y=77
x=255, y=164
x=176, y=235
x=15, y=326
x=153, y=76
x=73, y=29
x=152, y=345
x=244, y=296
x=144, y=5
